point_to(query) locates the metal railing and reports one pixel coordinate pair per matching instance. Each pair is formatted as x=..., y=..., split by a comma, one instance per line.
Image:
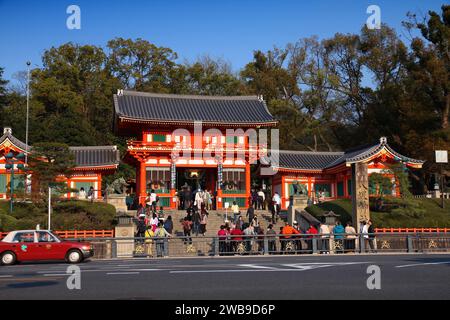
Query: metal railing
x=180, y=246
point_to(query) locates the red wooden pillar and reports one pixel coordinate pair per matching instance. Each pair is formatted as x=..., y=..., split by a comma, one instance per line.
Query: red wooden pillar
x=247, y=183
x=69, y=187
x=142, y=182
x=345, y=186
x=309, y=187
x=283, y=193
x=99, y=189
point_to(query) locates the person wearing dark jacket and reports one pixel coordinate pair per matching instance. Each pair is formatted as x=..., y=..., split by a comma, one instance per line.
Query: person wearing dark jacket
x=250, y=214
x=168, y=225
x=141, y=228
x=196, y=221
x=371, y=231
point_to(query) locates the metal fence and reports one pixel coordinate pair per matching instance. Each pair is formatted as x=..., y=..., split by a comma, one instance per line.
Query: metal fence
x=268, y=245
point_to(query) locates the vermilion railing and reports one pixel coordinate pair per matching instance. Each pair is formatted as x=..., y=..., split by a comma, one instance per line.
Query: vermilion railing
x=411, y=230
x=78, y=234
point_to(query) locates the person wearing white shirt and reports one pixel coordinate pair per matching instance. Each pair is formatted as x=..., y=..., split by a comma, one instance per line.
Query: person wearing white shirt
x=325, y=241
x=261, y=200
x=82, y=194
x=276, y=206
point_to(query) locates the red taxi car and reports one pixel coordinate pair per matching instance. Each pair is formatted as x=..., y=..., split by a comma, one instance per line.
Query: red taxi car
x=40, y=245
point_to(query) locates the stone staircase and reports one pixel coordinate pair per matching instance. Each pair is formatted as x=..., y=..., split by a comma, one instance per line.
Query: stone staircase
x=217, y=218
x=202, y=246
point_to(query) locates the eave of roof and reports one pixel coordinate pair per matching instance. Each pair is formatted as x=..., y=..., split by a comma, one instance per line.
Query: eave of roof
x=187, y=102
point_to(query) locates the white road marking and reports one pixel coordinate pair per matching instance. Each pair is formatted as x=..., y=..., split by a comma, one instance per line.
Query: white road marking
x=256, y=266
x=422, y=264
x=121, y=273
x=296, y=267
x=235, y=270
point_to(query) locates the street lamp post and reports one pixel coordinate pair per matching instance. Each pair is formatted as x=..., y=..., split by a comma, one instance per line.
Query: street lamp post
x=11, y=160
x=28, y=112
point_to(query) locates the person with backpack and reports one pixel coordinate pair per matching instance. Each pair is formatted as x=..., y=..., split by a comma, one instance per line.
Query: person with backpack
x=339, y=232
x=187, y=227
x=161, y=235
x=141, y=228
x=168, y=225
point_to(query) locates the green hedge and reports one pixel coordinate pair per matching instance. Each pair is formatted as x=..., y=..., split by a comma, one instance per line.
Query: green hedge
x=399, y=213
x=67, y=215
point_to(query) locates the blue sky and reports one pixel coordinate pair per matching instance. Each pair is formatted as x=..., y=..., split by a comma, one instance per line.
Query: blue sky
x=230, y=29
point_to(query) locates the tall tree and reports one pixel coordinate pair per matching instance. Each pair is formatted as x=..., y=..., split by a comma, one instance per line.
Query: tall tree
x=3, y=96
x=141, y=65
x=76, y=89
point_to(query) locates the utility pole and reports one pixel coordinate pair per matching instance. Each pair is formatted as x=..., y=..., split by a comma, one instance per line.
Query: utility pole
x=28, y=112
x=49, y=207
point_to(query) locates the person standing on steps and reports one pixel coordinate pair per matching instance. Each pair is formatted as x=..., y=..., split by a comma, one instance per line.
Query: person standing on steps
x=261, y=200
x=236, y=211
x=250, y=214
x=168, y=224
x=276, y=207
x=204, y=220
x=162, y=246
x=187, y=227
x=196, y=221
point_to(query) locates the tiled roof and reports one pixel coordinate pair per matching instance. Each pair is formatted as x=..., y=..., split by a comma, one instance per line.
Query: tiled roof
x=148, y=107
x=96, y=156
x=302, y=160
x=7, y=134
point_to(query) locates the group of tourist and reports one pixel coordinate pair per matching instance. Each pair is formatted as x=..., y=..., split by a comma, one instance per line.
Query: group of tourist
x=187, y=198
x=195, y=221
x=83, y=195
x=153, y=226
x=239, y=237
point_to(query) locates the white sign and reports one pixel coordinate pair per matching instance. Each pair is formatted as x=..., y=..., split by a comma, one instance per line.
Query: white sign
x=441, y=156
x=227, y=205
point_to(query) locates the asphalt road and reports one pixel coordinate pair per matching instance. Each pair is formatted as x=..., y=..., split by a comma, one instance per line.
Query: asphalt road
x=255, y=278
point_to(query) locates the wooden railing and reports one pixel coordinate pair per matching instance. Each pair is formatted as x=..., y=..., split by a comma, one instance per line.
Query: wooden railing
x=412, y=230
x=78, y=234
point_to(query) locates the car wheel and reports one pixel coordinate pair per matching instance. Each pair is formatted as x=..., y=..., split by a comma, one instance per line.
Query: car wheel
x=8, y=258
x=74, y=256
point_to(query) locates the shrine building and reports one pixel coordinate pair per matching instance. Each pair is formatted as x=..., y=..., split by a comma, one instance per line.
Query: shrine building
x=91, y=164
x=186, y=140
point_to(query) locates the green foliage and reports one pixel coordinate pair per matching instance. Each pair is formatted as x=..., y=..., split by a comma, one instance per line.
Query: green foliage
x=398, y=213
x=83, y=215
x=341, y=207
x=381, y=184
x=50, y=160
x=66, y=215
